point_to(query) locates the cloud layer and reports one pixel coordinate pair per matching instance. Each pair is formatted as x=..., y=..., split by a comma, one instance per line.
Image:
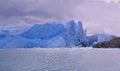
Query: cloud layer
x=37, y=9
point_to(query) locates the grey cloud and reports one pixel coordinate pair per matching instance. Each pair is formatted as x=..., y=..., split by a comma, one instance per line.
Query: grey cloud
x=40, y=8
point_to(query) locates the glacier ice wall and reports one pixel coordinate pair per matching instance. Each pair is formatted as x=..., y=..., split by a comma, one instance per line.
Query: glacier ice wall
x=50, y=35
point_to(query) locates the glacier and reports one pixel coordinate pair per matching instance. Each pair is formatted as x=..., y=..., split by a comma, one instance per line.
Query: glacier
x=49, y=35
x=94, y=39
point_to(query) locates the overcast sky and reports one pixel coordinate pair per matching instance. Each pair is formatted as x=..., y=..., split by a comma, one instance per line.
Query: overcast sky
x=96, y=15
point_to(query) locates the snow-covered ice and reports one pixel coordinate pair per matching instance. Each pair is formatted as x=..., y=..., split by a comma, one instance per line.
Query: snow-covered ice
x=60, y=59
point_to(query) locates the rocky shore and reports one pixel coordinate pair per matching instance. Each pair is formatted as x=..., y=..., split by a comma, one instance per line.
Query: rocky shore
x=114, y=43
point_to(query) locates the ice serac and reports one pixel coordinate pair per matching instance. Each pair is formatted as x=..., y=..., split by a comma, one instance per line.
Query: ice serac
x=70, y=33
x=81, y=34
x=76, y=34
